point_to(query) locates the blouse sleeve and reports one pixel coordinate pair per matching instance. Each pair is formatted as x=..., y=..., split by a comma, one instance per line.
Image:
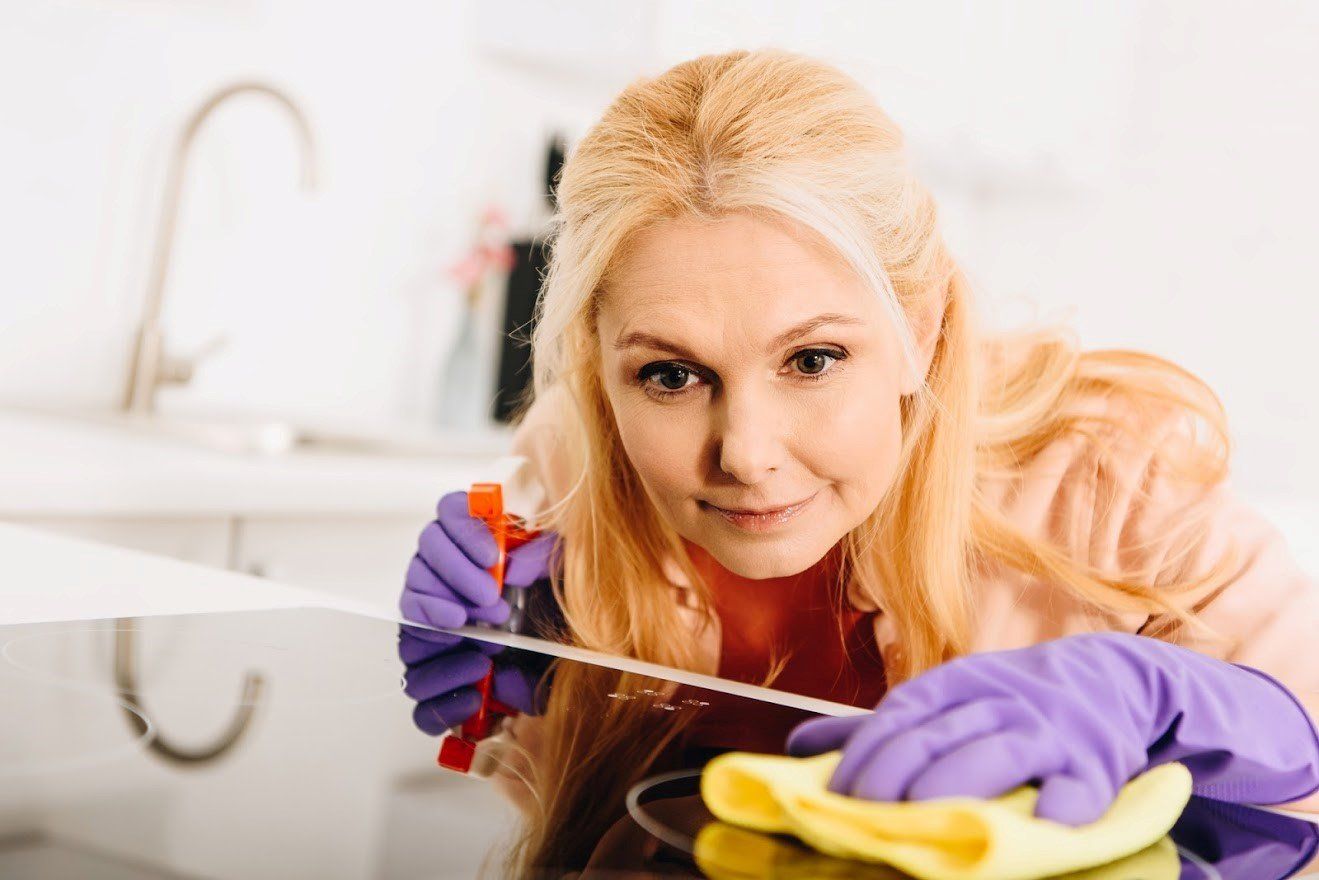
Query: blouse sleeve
x=1267, y=610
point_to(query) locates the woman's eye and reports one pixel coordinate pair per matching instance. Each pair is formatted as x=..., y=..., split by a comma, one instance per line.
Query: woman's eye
x=812, y=361
x=672, y=378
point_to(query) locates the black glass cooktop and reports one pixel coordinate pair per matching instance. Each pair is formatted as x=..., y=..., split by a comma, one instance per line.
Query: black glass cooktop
x=283, y=744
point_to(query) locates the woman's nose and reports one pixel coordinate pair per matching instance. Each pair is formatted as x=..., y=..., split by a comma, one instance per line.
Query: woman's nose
x=750, y=434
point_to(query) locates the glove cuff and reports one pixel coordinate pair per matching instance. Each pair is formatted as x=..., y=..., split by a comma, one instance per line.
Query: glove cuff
x=1305, y=720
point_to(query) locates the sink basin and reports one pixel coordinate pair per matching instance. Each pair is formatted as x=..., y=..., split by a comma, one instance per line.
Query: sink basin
x=257, y=434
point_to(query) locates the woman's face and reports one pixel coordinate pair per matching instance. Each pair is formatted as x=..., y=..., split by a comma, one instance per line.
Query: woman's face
x=747, y=369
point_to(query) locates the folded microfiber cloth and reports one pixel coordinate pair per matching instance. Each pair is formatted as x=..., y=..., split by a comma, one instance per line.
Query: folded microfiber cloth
x=955, y=838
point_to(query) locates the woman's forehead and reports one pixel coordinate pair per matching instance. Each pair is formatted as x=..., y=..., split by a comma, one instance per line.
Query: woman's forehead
x=735, y=244
x=739, y=262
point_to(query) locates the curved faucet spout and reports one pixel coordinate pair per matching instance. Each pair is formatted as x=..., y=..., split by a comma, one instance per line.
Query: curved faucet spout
x=152, y=366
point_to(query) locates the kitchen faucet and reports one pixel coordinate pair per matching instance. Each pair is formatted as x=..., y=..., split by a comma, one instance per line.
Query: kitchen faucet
x=152, y=365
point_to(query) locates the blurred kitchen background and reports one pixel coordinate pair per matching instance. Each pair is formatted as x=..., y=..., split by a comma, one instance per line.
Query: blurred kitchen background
x=1144, y=170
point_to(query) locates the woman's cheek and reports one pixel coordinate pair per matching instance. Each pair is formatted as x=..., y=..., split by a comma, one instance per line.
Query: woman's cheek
x=859, y=440
x=663, y=450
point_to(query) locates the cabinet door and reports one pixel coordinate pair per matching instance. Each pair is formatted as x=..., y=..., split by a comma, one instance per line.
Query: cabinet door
x=360, y=558
x=204, y=540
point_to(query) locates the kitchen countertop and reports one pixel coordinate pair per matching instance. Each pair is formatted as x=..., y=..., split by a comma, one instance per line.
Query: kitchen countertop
x=336, y=705
x=47, y=577
x=280, y=742
x=61, y=466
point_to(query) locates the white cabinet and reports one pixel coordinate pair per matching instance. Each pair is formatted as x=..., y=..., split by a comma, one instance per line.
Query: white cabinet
x=355, y=557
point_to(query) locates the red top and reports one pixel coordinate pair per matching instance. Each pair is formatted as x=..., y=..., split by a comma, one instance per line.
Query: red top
x=800, y=616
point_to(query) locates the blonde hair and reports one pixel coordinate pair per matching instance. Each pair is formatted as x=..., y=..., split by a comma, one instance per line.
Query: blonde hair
x=781, y=135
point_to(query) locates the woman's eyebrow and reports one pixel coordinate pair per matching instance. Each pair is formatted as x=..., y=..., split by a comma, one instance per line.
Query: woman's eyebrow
x=648, y=340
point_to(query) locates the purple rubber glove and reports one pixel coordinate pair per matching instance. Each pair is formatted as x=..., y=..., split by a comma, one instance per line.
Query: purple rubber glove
x=1080, y=715
x=443, y=669
x=447, y=582
x=1229, y=840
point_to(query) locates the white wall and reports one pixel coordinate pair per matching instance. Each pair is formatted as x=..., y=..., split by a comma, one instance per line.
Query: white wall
x=336, y=302
x=1145, y=170
x=1142, y=169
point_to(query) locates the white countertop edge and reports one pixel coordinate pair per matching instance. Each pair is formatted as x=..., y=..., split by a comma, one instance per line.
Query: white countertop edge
x=45, y=577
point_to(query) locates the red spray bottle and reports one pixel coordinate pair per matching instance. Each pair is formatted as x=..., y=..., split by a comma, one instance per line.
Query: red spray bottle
x=486, y=502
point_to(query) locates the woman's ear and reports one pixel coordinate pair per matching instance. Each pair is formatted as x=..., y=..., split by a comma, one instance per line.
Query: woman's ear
x=927, y=325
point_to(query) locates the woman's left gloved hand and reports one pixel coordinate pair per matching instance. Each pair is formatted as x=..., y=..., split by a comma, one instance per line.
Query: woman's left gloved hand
x=1080, y=715
x=443, y=669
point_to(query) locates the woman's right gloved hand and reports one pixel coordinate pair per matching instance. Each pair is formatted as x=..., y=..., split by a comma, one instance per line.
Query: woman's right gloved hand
x=447, y=582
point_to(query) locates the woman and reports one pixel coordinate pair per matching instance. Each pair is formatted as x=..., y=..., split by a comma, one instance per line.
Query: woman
x=750, y=307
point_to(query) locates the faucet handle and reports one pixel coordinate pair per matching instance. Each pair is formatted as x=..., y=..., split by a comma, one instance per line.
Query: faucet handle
x=178, y=369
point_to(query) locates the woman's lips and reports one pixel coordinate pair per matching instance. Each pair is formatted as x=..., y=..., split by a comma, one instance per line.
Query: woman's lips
x=763, y=522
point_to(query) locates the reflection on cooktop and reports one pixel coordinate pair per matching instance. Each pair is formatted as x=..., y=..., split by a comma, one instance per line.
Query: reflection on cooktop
x=206, y=656
x=281, y=743
x=30, y=747
x=1210, y=841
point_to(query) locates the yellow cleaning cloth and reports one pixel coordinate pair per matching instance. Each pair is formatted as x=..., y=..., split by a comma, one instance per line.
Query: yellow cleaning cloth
x=956, y=838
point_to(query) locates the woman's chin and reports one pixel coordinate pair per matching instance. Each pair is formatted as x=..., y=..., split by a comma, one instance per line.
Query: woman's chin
x=761, y=560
